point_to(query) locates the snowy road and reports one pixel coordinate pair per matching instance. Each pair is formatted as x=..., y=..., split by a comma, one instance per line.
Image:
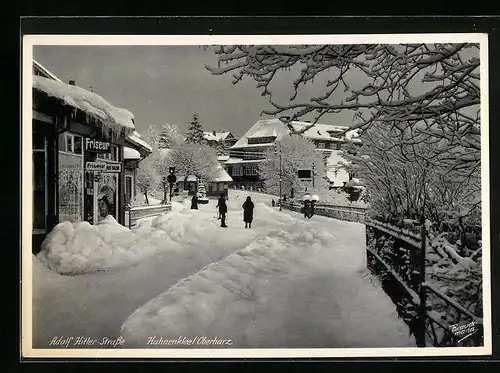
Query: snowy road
x=284, y=283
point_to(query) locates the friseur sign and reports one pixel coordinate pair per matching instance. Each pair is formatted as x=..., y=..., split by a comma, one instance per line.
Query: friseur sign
x=103, y=167
x=97, y=146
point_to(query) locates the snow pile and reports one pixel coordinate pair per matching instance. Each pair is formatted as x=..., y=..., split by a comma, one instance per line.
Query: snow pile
x=77, y=248
x=86, y=101
x=276, y=292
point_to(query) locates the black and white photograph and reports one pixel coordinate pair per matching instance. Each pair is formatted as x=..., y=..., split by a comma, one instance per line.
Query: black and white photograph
x=246, y=196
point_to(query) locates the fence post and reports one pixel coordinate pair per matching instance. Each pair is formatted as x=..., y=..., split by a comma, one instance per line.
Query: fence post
x=420, y=333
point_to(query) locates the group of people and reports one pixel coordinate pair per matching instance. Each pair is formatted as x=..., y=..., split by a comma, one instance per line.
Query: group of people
x=247, y=206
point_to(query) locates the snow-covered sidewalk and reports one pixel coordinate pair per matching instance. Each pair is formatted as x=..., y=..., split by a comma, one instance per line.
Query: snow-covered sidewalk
x=96, y=304
x=286, y=282
x=301, y=284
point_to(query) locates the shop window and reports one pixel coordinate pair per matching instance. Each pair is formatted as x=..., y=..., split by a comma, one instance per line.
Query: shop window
x=70, y=143
x=113, y=155
x=338, y=146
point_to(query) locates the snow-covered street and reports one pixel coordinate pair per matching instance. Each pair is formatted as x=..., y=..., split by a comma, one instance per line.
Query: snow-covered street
x=286, y=282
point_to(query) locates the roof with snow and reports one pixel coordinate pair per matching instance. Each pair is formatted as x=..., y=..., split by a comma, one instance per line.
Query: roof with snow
x=136, y=139
x=240, y=160
x=222, y=176
x=223, y=158
x=131, y=154
x=89, y=102
x=319, y=131
x=44, y=71
x=217, y=136
x=312, y=131
x=262, y=128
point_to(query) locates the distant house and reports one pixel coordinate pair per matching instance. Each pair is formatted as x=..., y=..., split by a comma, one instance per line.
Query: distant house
x=248, y=152
x=220, y=140
x=135, y=150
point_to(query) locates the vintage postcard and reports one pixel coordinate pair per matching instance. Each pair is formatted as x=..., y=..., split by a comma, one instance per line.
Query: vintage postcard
x=255, y=196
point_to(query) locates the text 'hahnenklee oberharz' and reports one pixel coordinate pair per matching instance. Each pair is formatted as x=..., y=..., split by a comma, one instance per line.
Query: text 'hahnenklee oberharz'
x=189, y=341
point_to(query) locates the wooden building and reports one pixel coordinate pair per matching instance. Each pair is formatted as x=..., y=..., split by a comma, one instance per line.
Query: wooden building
x=78, y=141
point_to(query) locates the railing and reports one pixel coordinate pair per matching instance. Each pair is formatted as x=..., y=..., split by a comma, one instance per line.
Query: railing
x=347, y=213
x=140, y=212
x=399, y=254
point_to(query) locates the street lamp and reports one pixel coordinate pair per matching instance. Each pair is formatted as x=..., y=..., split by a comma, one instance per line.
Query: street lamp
x=171, y=178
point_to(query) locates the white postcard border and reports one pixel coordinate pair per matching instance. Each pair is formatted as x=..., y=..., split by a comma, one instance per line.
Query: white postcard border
x=29, y=41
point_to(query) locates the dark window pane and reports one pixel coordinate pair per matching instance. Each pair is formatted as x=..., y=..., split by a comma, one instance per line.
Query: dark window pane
x=39, y=190
x=38, y=136
x=69, y=144
x=62, y=142
x=78, y=144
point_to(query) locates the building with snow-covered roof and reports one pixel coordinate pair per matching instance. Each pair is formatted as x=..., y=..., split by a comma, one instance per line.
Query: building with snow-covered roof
x=78, y=154
x=220, y=140
x=248, y=151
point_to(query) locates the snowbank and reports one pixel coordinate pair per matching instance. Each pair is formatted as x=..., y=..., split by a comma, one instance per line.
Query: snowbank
x=278, y=291
x=76, y=248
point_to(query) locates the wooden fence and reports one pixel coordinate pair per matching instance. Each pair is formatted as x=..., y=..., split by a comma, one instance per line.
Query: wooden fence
x=347, y=213
x=140, y=212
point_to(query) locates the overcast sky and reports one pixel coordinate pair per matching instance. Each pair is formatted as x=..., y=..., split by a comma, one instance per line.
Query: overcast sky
x=166, y=84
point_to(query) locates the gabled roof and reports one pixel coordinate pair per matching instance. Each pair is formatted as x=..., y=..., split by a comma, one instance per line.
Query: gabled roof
x=222, y=175
x=89, y=102
x=218, y=136
x=312, y=131
x=136, y=139
x=262, y=128
x=45, y=72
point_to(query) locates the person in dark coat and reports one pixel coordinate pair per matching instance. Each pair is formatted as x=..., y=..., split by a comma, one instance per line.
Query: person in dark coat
x=248, y=212
x=221, y=204
x=194, y=202
x=307, y=205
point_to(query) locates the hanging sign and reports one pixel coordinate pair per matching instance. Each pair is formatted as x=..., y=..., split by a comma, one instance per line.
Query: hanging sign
x=97, y=146
x=113, y=167
x=95, y=166
x=103, y=167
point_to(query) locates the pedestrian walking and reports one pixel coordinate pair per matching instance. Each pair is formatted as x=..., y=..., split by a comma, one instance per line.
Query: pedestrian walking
x=194, y=202
x=248, y=207
x=221, y=204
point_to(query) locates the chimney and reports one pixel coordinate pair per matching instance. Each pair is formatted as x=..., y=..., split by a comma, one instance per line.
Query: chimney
x=72, y=82
x=214, y=132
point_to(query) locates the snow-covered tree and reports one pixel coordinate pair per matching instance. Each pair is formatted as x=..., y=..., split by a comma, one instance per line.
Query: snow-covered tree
x=405, y=183
x=195, y=133
x=147, y=176
x=194, y=159
x=430, y=89
x=169, y=136
x=297, y=153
